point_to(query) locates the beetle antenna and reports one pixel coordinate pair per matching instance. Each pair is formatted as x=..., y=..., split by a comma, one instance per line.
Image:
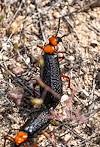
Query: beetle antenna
x=65, y=35
x=58, y=27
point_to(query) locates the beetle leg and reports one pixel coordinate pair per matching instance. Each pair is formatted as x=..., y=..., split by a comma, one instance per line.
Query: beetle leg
x=61, y=58
x=40, y=47
x=67, y=79
x=9, y=138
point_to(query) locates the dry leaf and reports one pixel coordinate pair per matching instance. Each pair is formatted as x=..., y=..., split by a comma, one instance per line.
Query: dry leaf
x=16, y=94
x=17, y=25
x=18, y=70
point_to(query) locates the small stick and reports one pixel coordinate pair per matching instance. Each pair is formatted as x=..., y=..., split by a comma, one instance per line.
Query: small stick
x=47, y=88
x=58, y=27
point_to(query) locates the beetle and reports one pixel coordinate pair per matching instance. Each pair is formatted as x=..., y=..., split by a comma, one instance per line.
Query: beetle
x=50, y=72
x=30, y=129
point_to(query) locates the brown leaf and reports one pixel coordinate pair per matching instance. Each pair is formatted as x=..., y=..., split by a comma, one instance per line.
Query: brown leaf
x=69, y=104
x=16, y=94
x=79, y=117
x=18, y=70
x=17, y=25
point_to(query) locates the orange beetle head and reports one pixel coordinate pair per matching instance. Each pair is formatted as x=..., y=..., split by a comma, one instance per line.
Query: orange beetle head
x=49, y=49
x=54, y=40
x=21, y=137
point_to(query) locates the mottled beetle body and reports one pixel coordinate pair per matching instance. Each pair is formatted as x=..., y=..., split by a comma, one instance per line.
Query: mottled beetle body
x=30, y=129
x=34, y=126
x=50, y=75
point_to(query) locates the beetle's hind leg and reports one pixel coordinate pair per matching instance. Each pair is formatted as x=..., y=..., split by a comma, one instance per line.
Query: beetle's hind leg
x=67, y=79
x=7, y=137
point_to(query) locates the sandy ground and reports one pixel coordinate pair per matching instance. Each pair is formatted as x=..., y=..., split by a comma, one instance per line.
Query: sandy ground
x=24, y=25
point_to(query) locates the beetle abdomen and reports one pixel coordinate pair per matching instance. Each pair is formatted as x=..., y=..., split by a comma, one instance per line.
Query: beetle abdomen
x=50, y=75
x=34, y=126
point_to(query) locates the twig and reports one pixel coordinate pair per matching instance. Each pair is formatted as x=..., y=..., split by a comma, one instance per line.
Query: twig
x=71, y=131
x=11, y=23
x=93, y=28
x=52, y=5
x=49, y=137
x=39, y=81
x=47, y=88
x=40, y=23
x=18, y=80
x=19, y=8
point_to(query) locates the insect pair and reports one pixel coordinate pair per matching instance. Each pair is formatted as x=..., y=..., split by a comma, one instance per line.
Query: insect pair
x=33, y=126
